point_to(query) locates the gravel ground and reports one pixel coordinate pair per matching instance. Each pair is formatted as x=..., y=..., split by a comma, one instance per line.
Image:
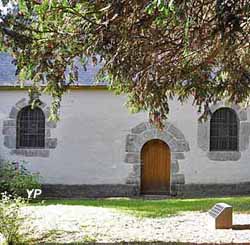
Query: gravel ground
x=78, y=223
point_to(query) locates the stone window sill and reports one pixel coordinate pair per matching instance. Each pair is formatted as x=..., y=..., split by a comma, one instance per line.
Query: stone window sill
x=224, y=155
x=31, y=152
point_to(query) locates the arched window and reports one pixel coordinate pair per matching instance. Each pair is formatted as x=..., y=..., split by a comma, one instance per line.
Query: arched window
x=30, y=128
x=224, y=130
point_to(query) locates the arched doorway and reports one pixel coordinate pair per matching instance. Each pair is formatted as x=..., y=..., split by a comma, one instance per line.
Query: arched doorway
x=155, y=167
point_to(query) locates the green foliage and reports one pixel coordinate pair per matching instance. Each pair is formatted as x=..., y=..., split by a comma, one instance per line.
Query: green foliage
x=11, y=218
x=151, y=50
x=16, y=179
x=89, y=239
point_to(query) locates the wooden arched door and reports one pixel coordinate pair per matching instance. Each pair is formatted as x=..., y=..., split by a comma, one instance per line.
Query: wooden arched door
x=155, y=168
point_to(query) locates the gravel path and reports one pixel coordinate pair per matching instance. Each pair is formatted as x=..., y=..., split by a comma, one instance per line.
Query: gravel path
x=79, y=223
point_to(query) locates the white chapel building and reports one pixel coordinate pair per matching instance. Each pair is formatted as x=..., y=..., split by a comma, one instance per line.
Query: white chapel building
x=99, y=149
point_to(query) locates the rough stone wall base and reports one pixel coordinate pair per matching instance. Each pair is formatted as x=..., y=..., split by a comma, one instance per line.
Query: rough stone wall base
x=214, y=190
x=181, y=191
x=88, y=191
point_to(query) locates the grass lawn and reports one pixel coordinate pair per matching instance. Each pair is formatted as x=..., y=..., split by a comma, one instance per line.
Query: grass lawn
x=156, y=208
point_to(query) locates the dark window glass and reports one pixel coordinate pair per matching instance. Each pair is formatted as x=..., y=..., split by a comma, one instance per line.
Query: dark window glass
x=224, y=130
x=30, y=128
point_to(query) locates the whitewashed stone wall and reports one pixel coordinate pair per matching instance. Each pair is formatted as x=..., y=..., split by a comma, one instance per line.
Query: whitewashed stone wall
x=92, y=136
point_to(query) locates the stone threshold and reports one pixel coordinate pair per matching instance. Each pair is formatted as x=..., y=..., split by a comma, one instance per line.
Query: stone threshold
x=155, y=197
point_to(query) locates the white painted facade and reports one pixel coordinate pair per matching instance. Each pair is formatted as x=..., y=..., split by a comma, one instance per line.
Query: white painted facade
x=92, y=135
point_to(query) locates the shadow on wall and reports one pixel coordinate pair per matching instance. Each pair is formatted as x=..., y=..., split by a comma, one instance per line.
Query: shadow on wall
x=241, y=227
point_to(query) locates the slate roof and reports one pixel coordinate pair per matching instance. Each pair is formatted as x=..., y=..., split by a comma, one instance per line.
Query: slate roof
x=7, y=70
x=8, y=77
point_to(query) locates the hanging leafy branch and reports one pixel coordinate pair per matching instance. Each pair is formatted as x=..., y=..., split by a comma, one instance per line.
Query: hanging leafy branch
x=151, y=50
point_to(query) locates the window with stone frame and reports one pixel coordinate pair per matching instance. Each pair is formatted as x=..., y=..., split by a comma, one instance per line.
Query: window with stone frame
x=224, y=130
x=30, y=132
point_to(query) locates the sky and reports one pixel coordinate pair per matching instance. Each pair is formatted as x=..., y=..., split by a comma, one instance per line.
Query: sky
x=3, y=9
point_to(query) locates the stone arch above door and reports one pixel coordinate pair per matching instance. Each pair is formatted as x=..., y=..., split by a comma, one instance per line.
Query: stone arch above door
x=145, y=132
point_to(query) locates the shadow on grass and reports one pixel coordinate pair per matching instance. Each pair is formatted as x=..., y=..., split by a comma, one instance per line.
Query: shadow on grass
x=155, y=208
x=146, y=243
